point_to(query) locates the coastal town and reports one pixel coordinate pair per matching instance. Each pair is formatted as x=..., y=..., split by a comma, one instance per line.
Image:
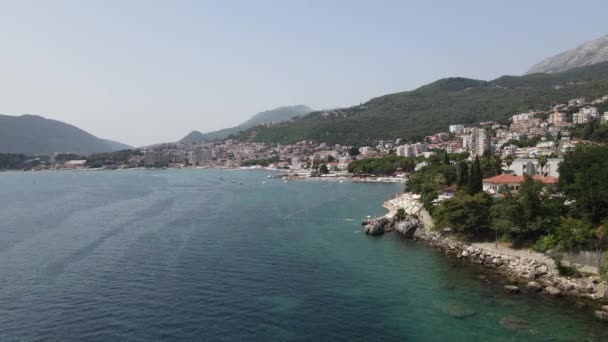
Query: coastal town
x=531, y=143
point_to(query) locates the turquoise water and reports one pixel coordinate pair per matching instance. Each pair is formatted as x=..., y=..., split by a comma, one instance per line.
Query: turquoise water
x=175, y=255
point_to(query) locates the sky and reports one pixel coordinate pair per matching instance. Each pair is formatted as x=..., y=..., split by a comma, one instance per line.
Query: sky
x=144, y=72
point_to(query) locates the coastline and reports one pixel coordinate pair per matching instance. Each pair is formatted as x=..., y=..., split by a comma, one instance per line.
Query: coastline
x=524, y=270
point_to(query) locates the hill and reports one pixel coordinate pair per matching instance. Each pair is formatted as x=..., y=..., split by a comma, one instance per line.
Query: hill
x=32, y=134
x=591, y=52
x=274, y=115
x=431, y=108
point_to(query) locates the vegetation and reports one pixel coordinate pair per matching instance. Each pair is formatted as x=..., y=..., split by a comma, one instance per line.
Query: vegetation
x=32, y=134
x=9, y=161
x=112, y=158
x=260, y=162
x=593, y=131
x=387, y=165
x=433, y=107
x=572, y=215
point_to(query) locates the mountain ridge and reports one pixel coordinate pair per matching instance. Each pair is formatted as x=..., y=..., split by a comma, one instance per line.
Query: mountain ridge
x=588, y=53
x=269, y=116
x=34, y=134
x=432, y=107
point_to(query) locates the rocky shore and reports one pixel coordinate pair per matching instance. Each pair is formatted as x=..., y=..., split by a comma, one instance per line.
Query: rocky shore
x=526, y=271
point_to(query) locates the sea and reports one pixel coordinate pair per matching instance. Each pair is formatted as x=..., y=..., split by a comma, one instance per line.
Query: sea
x=233, y=255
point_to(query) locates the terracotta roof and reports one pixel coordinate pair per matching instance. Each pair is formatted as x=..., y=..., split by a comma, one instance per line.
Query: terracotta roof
x=546, y=179
x=506, y=178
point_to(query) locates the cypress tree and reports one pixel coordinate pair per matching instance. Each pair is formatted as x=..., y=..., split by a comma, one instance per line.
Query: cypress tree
x=462, y=175
x=475, y=183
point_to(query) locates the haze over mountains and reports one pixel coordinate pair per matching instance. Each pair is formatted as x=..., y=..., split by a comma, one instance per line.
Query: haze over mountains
x=33, y=134
x=274, y=115
x=591, y=52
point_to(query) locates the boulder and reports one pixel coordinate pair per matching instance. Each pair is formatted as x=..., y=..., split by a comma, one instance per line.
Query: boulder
x=573, y=293
x=516, y=324
x=512, y=289
x=600, y=290
x=534, y=286
x=553, y=291
x=601, y=315
x=541, y=270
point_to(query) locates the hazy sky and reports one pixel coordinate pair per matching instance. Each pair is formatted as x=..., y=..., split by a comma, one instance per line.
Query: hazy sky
x=142, y=72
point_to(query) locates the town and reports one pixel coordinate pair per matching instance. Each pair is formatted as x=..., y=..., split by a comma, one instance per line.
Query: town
x=533, y=143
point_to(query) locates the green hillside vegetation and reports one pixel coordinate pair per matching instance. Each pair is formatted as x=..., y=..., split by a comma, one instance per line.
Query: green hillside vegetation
x=32, y=134
x=431, y=108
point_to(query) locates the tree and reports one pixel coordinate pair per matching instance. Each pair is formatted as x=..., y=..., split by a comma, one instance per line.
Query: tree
x=446, y=158
x=465, y=214
x=323, y=169
x=542, y=161
x=462, y=174
x=330, y=158
x=509, y=162
x=584, y=179
x=475, y=182
x=353, y=151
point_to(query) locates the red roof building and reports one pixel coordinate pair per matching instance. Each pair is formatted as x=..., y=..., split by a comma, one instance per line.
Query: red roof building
x=493, y=184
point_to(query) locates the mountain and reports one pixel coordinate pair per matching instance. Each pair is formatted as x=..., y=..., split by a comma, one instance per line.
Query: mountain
x=591, y=52
x=192, y=137
x=33, y=134
x=274, y=115
x=431, y=108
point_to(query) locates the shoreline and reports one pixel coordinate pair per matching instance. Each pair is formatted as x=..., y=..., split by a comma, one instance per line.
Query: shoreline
x=523, y=270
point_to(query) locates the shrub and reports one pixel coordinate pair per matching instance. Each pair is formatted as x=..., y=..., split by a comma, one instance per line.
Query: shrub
x=545, y=243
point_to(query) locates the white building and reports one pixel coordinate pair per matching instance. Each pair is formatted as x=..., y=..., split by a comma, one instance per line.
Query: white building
x=456, y=129
x=585, y=115
x=406, y=151
x=531, y=167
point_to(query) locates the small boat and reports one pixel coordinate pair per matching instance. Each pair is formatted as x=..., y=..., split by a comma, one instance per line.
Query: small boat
x=233, y=182
x=263, y=182
x=269, y=176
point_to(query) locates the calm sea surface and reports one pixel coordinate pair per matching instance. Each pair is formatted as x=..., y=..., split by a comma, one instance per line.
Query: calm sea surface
x=169, y=255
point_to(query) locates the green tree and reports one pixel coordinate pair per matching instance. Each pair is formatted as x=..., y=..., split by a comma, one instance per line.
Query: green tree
x=323, y=169
x=475, y=181
x=584, y=179
x=446, y=158
x=462, y=174
x=465, y=215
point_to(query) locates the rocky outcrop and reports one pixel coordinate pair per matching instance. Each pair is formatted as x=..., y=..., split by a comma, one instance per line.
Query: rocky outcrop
x=375, y=226
x=407, y=227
